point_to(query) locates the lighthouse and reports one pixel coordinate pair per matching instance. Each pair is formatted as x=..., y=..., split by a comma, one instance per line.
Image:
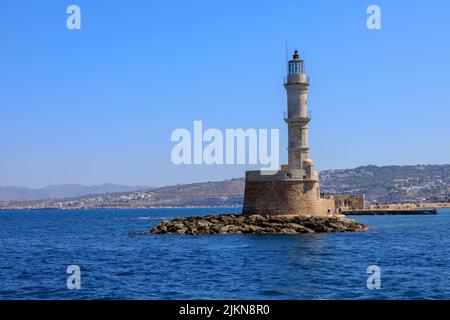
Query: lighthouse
x=295, y=188
x=298, y=117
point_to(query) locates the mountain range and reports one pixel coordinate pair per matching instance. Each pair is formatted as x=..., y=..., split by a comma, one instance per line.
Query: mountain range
x=8, y=193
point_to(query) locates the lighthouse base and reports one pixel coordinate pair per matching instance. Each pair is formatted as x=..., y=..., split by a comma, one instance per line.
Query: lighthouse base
x=284, y=193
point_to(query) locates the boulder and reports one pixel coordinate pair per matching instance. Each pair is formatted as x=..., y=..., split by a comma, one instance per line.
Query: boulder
x=299, y=228
x=181, y=231
x=288, y=231
x=226, y=229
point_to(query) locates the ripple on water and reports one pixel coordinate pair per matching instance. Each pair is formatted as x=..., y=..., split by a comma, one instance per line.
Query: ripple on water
x=413, y=253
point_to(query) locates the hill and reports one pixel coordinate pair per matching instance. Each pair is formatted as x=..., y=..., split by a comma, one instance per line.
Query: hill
x=390, y=184
x=387, y=184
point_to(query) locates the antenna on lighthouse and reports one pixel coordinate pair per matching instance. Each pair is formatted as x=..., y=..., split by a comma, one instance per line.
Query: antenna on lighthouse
x=287, y=59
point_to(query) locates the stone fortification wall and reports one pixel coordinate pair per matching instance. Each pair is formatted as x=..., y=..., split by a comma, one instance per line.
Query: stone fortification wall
x=286, y=197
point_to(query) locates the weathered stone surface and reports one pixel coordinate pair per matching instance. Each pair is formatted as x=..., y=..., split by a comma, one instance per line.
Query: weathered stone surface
x=256, y=224
x=285, y=197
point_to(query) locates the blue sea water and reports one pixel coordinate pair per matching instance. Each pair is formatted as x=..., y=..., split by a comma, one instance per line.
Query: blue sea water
x=413, y=253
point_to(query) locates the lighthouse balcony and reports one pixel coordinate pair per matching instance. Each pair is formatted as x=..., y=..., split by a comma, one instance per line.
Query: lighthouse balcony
x=299, y=78
x=298, y=148
x=302, y=121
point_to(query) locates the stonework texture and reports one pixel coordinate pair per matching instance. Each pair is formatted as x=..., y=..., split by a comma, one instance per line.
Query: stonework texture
x=289, y=197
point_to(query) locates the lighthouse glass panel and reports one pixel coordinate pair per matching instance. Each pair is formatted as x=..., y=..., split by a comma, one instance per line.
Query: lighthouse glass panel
x=296, y=67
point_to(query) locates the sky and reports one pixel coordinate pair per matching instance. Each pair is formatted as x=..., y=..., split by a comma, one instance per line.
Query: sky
x=99, y=104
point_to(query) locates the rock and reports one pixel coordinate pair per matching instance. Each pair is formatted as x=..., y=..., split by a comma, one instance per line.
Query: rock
x=256, y=224
x=255, y=218
x=299, y=228
x=181, y=231
x=225, y=229
x=288, y=231
x=235, y=229
x=163, y=228
x=279, y=219
x=246, y=229
x=271, y=225
x=337, y=226
x=203, y=223
x=270, y=230
x=170, y=229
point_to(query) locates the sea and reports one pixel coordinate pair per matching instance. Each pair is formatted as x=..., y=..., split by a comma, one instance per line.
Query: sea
x=402, y=257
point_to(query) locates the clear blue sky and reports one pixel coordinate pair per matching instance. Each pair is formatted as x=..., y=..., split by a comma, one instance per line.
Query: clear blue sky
x=99, y=104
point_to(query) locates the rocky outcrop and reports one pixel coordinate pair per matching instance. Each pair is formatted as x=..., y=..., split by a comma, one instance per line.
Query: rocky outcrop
x=256, y=224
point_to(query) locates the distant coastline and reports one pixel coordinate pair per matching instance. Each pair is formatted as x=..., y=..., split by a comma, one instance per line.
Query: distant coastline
x=427, y=185
x=390, y=206
x=115, y=208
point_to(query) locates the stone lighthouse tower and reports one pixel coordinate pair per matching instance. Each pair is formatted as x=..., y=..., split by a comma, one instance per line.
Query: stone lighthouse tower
x=296, y=85
x=294, y=189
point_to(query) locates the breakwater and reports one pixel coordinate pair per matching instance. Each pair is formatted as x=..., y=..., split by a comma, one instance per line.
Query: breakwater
x=376, y=212
x=256, y=224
